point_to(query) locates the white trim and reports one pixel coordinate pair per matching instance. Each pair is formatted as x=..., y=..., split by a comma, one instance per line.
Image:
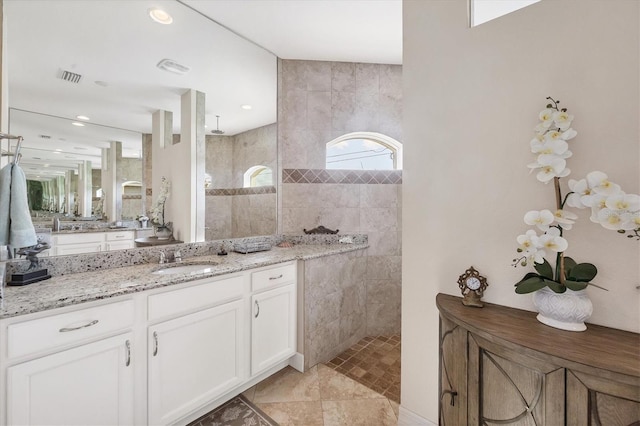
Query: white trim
x=409, y=418
x=384, y=140
x=297, y=362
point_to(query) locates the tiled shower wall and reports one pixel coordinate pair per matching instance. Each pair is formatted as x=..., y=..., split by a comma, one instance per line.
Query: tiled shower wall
x=317, y=102
x=231, y=210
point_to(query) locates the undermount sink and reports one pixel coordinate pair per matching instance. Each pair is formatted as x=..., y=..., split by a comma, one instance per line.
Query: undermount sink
x=193, y=269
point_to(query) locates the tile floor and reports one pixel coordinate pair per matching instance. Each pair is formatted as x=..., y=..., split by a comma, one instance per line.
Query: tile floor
x=321, y=397
x=374, y=362
x=359, y=387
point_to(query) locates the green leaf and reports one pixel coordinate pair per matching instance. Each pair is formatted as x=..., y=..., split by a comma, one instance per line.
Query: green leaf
x=529, y=285
x=583, y=272
x=555, y=286
x=575, y=285
x=569, y=264
x=544, y=269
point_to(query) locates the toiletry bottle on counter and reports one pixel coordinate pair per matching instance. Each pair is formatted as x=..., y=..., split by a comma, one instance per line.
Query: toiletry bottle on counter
x=56, y=223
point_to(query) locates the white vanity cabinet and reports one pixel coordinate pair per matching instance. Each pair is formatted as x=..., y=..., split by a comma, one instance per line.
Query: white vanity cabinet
x=91, y=242
x=70, y=369
x=273, y=320
x=157, y=357
x=195, y=358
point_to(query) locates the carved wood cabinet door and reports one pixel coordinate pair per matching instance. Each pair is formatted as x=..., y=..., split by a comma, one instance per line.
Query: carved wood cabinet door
x=600, y=401
x=508, y=388
x=453, y=374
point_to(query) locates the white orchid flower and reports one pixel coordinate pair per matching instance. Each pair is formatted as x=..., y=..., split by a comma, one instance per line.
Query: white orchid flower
x=597, y=202
x=631, y=221
x=557, y=134
x=622, y=201
x=565, y=218
x=569, y=134
x=550, y=146
x=579, y=189
x=528, y=240
x=562, y=119
x=600, y=184
x=530, y=247
x=553, y=241
x=541, y=219
x=612, y=219
x=546, y=117
x=550, y=167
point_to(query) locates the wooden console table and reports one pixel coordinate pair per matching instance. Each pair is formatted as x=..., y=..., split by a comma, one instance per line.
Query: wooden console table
x=499, y=365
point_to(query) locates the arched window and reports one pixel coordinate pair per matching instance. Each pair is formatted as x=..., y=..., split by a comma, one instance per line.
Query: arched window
x=258, y=176
x=364, y=151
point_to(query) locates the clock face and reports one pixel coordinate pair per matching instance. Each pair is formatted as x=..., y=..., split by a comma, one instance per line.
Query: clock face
x=473, y=283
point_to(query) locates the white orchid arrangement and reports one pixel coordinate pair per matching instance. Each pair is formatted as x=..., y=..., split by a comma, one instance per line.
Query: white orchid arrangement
x=610, y=207
x=157, y=211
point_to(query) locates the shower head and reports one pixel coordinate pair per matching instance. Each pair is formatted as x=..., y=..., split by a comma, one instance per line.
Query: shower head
x=217, y=131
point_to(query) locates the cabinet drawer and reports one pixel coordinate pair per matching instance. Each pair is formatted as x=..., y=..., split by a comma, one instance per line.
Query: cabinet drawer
x=62, y=329
x=119, y=236
x=87, y=237
x=273, y=277
x=202, y=294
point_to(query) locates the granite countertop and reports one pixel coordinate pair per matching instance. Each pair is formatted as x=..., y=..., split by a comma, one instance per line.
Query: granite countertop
x=65, y=290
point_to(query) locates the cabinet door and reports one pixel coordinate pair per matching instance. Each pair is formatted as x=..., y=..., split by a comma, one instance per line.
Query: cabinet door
x=273, y=327
x=509, y=388
x=595, y=400
x=453, y=374
x=193, y=359
x=88, y=385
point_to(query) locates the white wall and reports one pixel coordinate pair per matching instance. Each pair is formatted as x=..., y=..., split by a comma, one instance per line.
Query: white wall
x=471, y=99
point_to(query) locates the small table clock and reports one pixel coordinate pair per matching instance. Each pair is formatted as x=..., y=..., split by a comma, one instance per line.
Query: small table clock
x=472, y=286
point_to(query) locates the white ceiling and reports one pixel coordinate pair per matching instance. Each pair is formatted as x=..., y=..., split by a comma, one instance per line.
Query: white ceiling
x=116, y=42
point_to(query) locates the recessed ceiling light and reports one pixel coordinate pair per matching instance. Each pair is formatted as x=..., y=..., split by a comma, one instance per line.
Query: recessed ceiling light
x=160, y=16
x=247, y=107
x=57, y=152
x=82, y=117
x=80, y=148
x=75, y=123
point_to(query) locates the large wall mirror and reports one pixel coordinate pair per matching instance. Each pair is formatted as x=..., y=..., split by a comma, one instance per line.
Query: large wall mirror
x=85, y=74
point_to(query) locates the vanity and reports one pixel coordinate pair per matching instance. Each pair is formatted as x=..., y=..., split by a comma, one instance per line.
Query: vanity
x=144, y=345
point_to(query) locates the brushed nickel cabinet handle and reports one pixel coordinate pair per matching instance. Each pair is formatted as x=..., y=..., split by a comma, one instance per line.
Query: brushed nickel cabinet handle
x=258, y=312
x=67, y=329
x=127, y=345
x=155, y=343
x=276, y=278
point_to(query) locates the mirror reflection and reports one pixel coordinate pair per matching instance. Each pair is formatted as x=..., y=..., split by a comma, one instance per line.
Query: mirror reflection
x=80, y=85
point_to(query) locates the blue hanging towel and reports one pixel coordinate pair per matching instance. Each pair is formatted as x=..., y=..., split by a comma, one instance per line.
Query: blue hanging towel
x=16, y=228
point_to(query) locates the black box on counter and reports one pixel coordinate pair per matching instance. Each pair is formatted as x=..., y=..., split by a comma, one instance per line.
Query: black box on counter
x=29, y=277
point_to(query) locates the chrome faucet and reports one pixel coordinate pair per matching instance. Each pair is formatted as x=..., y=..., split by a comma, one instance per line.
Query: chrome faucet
x=162, y=258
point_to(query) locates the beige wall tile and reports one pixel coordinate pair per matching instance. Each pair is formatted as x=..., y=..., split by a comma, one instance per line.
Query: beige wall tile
x=343, y=77
x=317, y=75
x=319, y=111
x=384, y=267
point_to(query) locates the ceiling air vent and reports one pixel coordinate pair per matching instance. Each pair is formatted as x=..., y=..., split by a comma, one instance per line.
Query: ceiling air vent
x=44, y=136
x=69, y=76
x=172, y=66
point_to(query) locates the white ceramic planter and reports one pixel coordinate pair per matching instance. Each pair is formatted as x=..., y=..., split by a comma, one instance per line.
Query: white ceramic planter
x=566, y=311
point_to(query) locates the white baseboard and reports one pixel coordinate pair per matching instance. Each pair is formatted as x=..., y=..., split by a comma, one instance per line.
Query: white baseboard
x=409, y=418
x=297, y=362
